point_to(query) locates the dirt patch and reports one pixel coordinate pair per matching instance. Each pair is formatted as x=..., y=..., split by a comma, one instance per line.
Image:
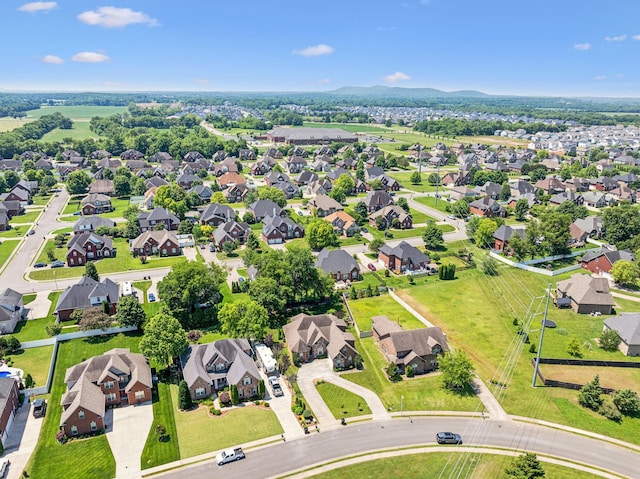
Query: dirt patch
x=615, y=378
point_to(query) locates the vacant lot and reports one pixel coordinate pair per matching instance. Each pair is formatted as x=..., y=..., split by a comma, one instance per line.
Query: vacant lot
x=342, y=403
x=364, y=309
x=615, y=378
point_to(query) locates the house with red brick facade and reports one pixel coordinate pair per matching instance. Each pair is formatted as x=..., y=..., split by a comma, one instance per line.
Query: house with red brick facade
x=503, y=234
x=118, y=377
x=95, y=203
x=601, y=260
x=403, y=257
x=85, y=247
x=389, y=214
x=159, y=216
x=9, y=401
x=87, y=293
x=161, y=243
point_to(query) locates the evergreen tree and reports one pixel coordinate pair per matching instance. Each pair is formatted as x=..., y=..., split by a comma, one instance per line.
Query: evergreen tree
x=184, y=396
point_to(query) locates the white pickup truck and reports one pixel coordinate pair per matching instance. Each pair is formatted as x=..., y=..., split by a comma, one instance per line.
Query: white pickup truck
x=229, y=455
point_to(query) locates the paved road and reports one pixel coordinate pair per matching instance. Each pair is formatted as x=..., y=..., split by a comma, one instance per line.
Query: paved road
x=358, y=438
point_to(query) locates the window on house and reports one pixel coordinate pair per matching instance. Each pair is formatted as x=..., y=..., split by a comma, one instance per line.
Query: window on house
x=111, y=397
x=74, y=430
x=109, y=385
x=140, y=395
x=81, y=414
x=94, y=426
x=200, y=392
x=246, y=381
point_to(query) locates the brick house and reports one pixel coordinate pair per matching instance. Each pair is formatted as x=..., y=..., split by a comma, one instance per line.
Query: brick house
x=89, y=224
x=277, y=229
x=403, y=257
x=324, y=205
x=118, y=377
x=11, y=310
x=85, y=247
x=263, y=208
x=602, y=260
x=9, y=402
x=95, y=203
x=210, y=367
x=149, y=220
x=87, y=293
x=378, y=199
x=216, y=214
x=161, y=243
x=104, y=187
x=343, y=223
x=339, y=264
x=503, y=234
x=231, y=231
x=585, y=294
x=390, y=213
x=417, y=348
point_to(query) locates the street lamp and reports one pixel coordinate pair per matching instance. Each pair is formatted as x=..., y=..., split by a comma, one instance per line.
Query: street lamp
x=401, y=398
x=545, y=323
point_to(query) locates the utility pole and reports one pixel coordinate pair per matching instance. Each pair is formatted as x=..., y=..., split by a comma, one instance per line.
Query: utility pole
x=544, y=325
x=437, y=181
x=420, y=159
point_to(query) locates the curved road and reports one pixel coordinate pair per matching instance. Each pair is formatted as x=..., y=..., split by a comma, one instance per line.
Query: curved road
x=285, y=457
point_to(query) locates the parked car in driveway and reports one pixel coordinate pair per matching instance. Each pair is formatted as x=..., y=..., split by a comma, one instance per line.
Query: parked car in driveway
x=57, y=264
x=448, y=438
x=275, y=386
x=4, y=468
x=39, y=265
x=371, y=266
x=39, y=408
x=152, y=297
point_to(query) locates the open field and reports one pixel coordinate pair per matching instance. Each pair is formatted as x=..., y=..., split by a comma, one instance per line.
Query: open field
x=79, y=131
x=80, y=112
x=8, y=124
x=342, y=403
x=352, y=127
x=237, y=426
x=615, y=378
x=86, y=458
x=440, y=464
x=364, y=309
x=34, y=361
x=493, y=140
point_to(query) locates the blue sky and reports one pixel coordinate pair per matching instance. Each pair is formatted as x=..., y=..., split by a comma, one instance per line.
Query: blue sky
x=542, y=47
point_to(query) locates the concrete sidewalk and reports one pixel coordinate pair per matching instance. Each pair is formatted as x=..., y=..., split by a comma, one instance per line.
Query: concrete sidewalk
x=491, y=404
x=413, y=312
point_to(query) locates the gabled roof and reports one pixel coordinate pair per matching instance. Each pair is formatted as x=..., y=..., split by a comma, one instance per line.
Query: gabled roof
x=627, y=325
x=585, y=289
x=336, y=261
x=262, y=208
x=405, y=251
x=78, y=295
x=160, y=237
x=504, y=232
x=80, y=240
x=216, y=210
x=611, y=255
x=325, y=203
x=198, y=356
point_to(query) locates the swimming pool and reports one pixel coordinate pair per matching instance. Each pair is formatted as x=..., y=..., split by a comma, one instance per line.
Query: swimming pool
x=5, y=374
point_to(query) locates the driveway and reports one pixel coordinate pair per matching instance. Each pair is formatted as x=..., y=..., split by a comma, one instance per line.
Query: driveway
x=321, y=369
x=22, y=440
x=282, y=407
x=127, y=431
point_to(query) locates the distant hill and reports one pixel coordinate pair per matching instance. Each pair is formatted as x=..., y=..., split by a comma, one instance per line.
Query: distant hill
x=399, y=92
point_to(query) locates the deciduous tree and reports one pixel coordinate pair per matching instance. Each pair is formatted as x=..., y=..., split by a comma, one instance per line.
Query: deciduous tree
x=163, y=338
x=243, y=319
x=525, y=466
x=457, y=369
x=130, y=312
x=624, y=272
x=77, y=182
x=432, y=237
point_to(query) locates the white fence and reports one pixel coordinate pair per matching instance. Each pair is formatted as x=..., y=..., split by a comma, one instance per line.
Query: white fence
x=533, y=269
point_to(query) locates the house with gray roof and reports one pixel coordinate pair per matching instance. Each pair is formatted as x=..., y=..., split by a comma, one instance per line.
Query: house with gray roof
x=339, y=264
x=585, y=294
x=320, y=336
x=216, y=214
x=627, y=325
x=85, y=247
x=161, y=243
x=262, y=208
x=231, y=231
x=277, y=229
x=324, y=205
x=601, y=260
x=377, y=200
x=87, y=293
x=9, y=403
x=403, y=257
x=503, y=234
x=210, y=367
x=417, y=349
x=149, y=220
x=95, y=203
x=11, y=310
x=117, y=377
x=204, y=193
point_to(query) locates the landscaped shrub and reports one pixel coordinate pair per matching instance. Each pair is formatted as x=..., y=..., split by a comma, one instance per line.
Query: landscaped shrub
x=409, y=371
x=160, y=431
x=627, y=402
x=184, y=396
x=233, y=391
x=53, y=329
x=225, y=398
x=194, y=335
x=214, y=411
x=393, y=372
x=609, y=411
x=609, y=340
x=261, y=389
x=447, y=272
x=307, y=414
x=591, y=395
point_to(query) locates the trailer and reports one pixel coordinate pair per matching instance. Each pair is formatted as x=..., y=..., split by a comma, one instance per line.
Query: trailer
x=265, y=359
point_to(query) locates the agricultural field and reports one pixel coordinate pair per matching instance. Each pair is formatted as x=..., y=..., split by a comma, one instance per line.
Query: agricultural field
x=8, y=124
x=351, y=127
x=80, y=112
x=79, y=131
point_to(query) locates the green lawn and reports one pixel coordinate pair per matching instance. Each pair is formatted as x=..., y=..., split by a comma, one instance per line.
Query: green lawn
x=28, y=217
x=54, y=296
x=79, y=131
x=477, y=311
x=85, y=112
x=408, y=233
x=422, y=393
x=41, y=200
x=124, y=261
x=34, y=361
x=419, y=217
x=342, y=403
x=431, y=202
x=119, y=205
x=440, y=464
x=6, y=248
x=50, y=245
x=15, y=232
x=28, y=298
x=404, y=178
x=351, y=240
x=86, y=458
x=32, y=329
x=364, y=309
x=155, y=452
x=8, y=124
x=240, y=425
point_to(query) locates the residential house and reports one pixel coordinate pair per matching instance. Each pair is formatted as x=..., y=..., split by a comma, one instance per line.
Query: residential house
x=235, y=193
x=274, y=177
x=601, y=260
x=186, y=180
x=68, y=154
x=319, y=336
x=596, y=199
x=306, y=177
x=9, y=403
x=627, y=325
x=203, y=192
x=210, y=367
x=103, y=187
x=324, y=205
x=260, y=168
x=568, y=195
x=231, y=231
x=289, y=189
x=117, y=377
x=417, y=349
x=624, y=193
x=318, y=187
x=161, y=157
x=403, y=257
x=550, y=185
x=43, y=164
x=11, y=208
x=604, y=183
x=262, y=208
x=87, y=293
x=162, y=243
x=339, y=264
x=487, y=208
x=131, y=154
x=4, y=221
x=592, y=225
x=150, y=220
x=343, y=223
x=503, y=234
x=109, y=163
x=95, y=203
x=10, y=165
x=277, y=229
x=17, y=194
x=388, y=216
x=246, y=154
x=520, y=187
x=11, y=310
x=228, y=165
x=577, y=184
x=88, y=224
x=216, y=214
x=295, y=164
x=377, y=200
x=155, y=181
x=86, y=247
x=585, y=294
x=231, y=179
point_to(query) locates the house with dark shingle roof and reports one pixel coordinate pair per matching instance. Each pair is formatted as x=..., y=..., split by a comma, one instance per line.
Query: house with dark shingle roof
x=503, y=234
x=602, y=260
x=95, y=203
x=403, y=257
x=216, y=214
x=377, y=200
x=149, y=220
x=104, y=187
x=277, y=229
x=11, y=310
x=9, y=403
x=389, y=214
x=85, y=247
x=210, y=367
x=87, y=293
x=203, y=192
x=487, y=208
x=585, y=294
x=627, y=325
x=88, y=224
x=339, y=264
x=417, y=348
x=162, y=243
x=118, y=377
x=320, y=336
x=262, y=208
x=324, y=205
x=231, y=231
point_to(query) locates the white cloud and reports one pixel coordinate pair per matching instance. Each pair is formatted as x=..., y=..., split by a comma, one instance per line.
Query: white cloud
x=397, y=76
x=201, y=81
x=52, y=59
x=583, y=47
x=34, y=7
x=600, y=77
x=618, y=38
x=620, y=75
x=113, y=17
x=90, y=57
x=636, y=38
x=314, y=51
x=324, y=80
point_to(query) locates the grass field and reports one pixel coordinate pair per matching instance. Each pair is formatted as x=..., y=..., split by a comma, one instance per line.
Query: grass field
x=431, y=202
x=29, y=217
x=119, y=205
x=6, y=248
x=15, y=232
x=81, y=112
x=41, y=200
x=244, y=424
x=34, y=361
x=155, y=452
x=352, y=127
x=419, y=217
x=342, y=403
x=404, y=179
x=364, y=309
x=8, y=124
x=31, y=329
x=79, y=131
x=616, y=378
x=86, y=458
x=433, y=464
